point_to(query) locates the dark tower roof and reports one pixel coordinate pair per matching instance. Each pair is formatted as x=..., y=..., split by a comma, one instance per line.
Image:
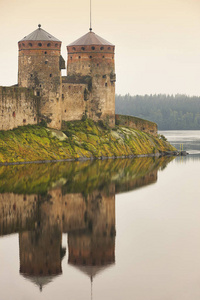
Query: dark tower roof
x=92, y=271
x=40, y=281
x=90, y=38
x=40, y=35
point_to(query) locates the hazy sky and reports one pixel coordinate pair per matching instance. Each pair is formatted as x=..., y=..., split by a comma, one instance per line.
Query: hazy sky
x=157, y=41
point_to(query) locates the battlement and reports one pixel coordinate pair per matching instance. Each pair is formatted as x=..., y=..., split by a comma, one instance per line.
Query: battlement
x=39, y=45
x=91, y=48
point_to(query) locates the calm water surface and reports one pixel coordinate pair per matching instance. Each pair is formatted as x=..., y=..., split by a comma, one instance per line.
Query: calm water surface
x=116, y=229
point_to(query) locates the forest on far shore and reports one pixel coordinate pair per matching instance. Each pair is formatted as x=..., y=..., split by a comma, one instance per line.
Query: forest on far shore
x=170, y=112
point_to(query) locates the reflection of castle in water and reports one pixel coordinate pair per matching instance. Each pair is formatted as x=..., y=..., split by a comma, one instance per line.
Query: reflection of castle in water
x=86, y=214
x=90, y=224
x=41, y=249
x=92, y=249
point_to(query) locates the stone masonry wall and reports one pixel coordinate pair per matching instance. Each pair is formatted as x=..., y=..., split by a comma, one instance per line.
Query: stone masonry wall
x=136, y=123
x=18, y=107
x=73, y=102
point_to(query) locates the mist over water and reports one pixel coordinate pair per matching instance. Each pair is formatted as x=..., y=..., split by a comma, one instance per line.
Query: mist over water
x=114, y=229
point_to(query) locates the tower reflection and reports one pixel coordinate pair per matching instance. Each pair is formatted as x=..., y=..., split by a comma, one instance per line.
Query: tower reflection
x=41, y=250
x=79, y=199
x=93, y=249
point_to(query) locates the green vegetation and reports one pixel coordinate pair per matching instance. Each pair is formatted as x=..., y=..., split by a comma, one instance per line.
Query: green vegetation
x=81, y=139
x=169, y=112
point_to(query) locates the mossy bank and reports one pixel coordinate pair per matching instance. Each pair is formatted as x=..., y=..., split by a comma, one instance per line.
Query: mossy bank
x=78, y=140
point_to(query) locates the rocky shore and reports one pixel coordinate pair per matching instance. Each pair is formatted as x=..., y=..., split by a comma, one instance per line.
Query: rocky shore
x=79, y=140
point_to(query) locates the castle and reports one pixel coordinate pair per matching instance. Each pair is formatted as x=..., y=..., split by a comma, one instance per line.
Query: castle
x=42, y=93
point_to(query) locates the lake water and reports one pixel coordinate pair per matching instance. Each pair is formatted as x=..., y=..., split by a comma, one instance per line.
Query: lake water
x=114, y=229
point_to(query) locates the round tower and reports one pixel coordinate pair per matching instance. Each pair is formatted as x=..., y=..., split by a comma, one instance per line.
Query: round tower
x=39, y=69
x=93, y=56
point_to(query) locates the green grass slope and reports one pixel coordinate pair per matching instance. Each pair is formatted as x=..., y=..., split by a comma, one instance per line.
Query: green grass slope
x=79, y=139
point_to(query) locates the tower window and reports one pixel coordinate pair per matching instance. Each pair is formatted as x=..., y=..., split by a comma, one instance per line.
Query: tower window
x=83, y=48
x=46, y=62
x=103, y=56
x=93, y=48
x=108, y=48
x=38, y=94
x=49, y=44
x=97, y=65
x=63, y=96
x=30, y=44
x=74, y=48
x=102, y=48
x=40, y=85
x=50, y=75
x=13, y=113
x=90, y=56
x=40, y=44
x=106, y=84
x=31, y=75
x=24, y=120
x=56, y=45
x=104, y=76
x=45, y=52
x=70, y=57
x=79, y=57
x=23, y=44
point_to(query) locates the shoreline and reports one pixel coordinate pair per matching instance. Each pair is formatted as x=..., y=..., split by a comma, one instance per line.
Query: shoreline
x=165, y=153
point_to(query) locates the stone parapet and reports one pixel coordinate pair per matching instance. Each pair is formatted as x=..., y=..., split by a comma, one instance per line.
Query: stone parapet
x=136, y=123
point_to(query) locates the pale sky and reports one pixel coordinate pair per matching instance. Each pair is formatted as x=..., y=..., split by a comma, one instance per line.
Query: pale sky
x=157, y=41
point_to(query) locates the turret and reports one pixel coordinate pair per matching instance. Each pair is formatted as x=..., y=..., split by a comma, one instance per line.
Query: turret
x=93, y=56
x=39, y=68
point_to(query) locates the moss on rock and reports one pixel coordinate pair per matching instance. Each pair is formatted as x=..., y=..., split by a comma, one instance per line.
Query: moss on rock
x=79, y=139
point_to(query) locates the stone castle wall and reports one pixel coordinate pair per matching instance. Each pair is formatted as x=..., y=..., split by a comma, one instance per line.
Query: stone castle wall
x=21, y=106
x=136, y=123
x=73, y=101
x=18, y=107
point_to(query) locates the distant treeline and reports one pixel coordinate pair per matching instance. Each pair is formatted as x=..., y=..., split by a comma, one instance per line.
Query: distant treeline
x=169, y=112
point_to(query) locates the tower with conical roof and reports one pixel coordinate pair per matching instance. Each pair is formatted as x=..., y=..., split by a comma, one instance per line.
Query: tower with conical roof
x=39, y=68
x=93, y=56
